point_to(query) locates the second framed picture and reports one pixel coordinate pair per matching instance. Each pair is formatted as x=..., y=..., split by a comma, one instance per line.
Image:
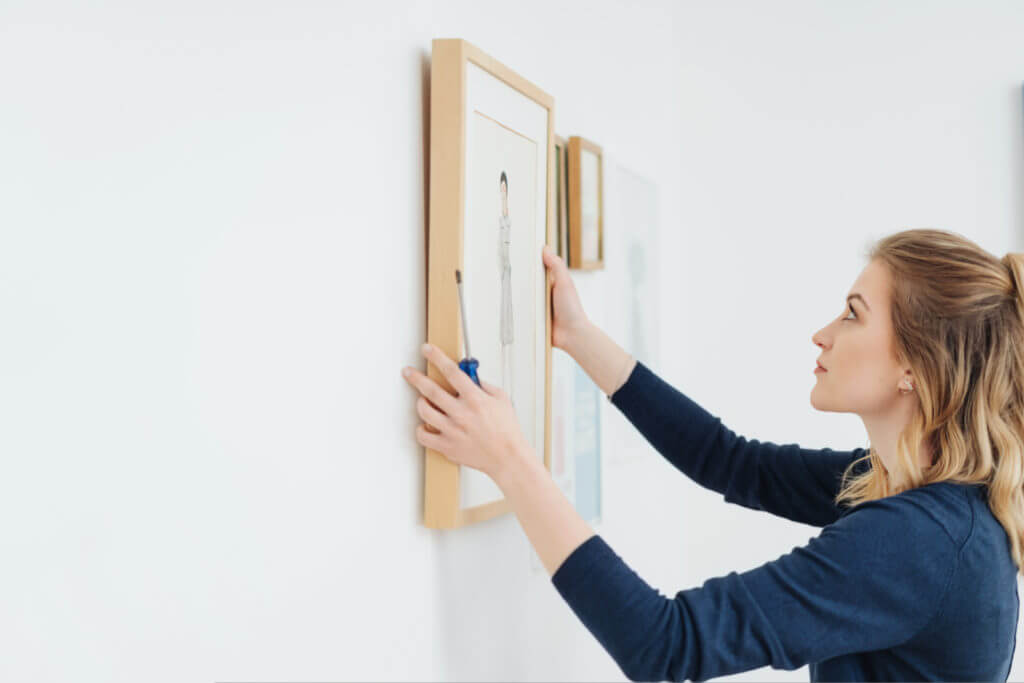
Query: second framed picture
x=586, y=204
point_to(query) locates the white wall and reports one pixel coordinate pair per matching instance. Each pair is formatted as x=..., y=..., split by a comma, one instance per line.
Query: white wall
x=212, y=269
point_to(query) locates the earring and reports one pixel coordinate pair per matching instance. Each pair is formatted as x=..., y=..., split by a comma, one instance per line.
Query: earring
x=905, y=386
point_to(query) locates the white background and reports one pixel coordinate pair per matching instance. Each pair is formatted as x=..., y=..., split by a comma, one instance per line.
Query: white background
x=212, y=267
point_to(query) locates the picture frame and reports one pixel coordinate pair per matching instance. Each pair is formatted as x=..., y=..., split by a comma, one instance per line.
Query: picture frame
x=586, y=204
x=491, y=211
x=633, y=297
x=562, y=193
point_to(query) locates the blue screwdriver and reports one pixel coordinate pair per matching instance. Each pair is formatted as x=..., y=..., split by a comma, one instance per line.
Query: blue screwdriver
x=468, y=364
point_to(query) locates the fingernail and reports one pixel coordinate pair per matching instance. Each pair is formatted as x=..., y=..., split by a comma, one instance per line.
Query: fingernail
x=405, y=372
x=425, y=348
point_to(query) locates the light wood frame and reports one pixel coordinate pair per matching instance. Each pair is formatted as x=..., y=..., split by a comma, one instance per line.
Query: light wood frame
x=576, y=260
x=447, y=195
x=562, y=231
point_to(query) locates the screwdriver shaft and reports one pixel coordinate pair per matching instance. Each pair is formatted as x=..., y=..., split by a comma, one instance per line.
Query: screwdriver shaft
x=462, y=308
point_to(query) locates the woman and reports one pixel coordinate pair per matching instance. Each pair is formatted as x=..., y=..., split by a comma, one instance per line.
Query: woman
x=913, y=575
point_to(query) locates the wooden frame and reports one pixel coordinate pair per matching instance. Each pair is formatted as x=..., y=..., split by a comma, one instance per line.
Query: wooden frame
x=562, y=154
x=448, y=196
x=577, y=259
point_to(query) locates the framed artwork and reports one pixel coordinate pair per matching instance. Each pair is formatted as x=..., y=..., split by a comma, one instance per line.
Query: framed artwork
x=586, y=205
x=639, y=197
x=633, y=297
x=562, y=399
x=562, y=194
x=492, y=210
x=586, y=445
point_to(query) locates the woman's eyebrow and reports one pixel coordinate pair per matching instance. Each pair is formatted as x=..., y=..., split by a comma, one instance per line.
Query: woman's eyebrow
x=855, y=295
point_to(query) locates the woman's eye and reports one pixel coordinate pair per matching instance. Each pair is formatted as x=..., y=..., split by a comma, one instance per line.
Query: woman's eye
x=851, y=313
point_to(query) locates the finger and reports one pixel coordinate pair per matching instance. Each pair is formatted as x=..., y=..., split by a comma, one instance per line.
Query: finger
x=491, y=389
x=432, y=441
x=459, y=380
x=437, y=394
x=550, y=257
x=432, y=416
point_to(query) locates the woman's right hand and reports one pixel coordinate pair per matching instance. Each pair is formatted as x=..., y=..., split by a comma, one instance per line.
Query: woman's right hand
x=567, y=311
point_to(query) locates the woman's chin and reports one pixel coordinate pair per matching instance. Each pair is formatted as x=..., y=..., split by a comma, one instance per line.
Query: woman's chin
x=816, y=401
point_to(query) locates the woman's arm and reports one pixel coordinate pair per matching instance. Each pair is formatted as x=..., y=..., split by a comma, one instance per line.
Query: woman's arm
x=872, y=580
x=601, y=358
x=786, y=480
x=550, y=521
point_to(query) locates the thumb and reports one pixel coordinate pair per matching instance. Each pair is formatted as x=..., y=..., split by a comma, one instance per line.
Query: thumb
x=550, y=258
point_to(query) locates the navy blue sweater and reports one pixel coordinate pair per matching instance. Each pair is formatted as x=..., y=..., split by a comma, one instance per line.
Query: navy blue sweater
x=919, y=585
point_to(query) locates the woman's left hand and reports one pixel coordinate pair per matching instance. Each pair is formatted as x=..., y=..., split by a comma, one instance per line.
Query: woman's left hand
x=478, y=427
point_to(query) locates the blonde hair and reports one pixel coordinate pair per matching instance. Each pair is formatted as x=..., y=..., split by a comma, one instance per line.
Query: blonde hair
x=958, y=317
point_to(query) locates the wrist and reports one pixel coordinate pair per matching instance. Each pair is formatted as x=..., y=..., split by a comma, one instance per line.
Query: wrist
x=624, y=374
x=520, y=464
x=577, y=337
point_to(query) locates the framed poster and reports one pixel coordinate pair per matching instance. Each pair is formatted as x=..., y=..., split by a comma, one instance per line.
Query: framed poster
x=586, y=445
x=492, y=203
x=632, y=298
x=586, y=205
x=639, y=200
x=563, y=375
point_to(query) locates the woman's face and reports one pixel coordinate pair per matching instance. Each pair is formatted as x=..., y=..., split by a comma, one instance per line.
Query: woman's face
x=858, y=351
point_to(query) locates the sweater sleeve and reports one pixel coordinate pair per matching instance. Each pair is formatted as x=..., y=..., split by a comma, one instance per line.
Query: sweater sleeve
x=786, y=480
x=871, y=580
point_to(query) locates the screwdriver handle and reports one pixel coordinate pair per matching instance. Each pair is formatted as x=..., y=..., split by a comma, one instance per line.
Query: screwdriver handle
x=469, y=366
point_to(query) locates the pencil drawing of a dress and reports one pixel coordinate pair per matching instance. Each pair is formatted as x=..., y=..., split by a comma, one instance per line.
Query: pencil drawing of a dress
x=505, y=238
x=504, y=243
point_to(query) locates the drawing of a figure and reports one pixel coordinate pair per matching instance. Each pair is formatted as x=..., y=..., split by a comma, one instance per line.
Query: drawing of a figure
x=505, y=263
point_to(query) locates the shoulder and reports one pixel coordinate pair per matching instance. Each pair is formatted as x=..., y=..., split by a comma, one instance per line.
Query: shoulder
x=926, y=514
